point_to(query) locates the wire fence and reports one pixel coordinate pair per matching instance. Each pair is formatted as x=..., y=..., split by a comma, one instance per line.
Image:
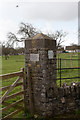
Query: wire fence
x=60, y=68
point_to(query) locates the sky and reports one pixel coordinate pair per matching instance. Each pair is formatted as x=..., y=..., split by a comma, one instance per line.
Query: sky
x=46, y=15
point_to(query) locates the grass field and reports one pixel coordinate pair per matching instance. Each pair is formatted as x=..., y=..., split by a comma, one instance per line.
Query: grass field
x=15, y=63
x=69, y=64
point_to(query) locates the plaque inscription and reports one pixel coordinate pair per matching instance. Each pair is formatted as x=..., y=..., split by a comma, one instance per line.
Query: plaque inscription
x=50, y=54
x=34, y=57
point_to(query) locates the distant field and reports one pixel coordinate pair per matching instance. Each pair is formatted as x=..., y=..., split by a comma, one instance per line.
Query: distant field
x=15, y=63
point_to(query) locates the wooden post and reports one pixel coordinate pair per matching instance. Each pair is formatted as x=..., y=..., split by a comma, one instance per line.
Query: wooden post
x=65, y=63
x=71, y=60
x=60, y=72
x=58, y=63
x=30, y=91
x=22, y=80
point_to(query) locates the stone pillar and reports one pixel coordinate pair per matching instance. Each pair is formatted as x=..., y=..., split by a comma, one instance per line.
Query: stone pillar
x=40, y=57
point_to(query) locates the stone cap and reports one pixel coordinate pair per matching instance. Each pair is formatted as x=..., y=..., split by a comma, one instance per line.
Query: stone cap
x=40, y=41
x=40, y=36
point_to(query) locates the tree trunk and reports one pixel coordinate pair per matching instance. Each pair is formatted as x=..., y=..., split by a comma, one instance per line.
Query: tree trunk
x=5, y=57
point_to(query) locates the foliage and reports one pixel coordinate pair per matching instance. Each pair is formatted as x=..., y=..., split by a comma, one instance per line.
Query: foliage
x=58, y=36
x=5, y=51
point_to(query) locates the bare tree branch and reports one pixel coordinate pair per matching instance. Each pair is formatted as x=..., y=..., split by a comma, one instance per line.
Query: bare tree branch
x=58, y=36
x=25, y=30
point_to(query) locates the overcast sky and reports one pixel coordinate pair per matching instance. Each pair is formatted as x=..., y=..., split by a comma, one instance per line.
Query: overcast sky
x=47, y=16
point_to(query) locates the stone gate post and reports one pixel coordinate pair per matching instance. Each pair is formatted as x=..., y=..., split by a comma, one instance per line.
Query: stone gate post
x=40, y=58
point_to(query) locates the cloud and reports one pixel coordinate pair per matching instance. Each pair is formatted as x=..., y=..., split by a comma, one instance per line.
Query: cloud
x=52, y=11
x=1, y=1
x=49, y=11
x=48, y=16
x=6, y=27
x=79, y=13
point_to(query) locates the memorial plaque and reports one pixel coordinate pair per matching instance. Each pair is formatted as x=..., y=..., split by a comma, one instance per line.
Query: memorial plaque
x=50, y=54
x=34, y=57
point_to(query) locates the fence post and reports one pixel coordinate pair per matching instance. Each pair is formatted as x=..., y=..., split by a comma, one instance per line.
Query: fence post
x=30, y=91
x=60, y=72
x=58, y=62
x=65, y=63
x=71, y=60
x=23, y=95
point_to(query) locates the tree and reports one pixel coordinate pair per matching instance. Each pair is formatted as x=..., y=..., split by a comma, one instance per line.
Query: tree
x=25, y=30
x=58, y=36
x=5, y=51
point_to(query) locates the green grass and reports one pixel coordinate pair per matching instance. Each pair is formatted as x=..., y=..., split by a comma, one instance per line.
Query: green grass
x=15, y=63
x=68, y=73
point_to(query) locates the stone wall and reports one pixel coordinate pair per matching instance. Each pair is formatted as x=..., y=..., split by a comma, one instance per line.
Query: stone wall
x=67, y=99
